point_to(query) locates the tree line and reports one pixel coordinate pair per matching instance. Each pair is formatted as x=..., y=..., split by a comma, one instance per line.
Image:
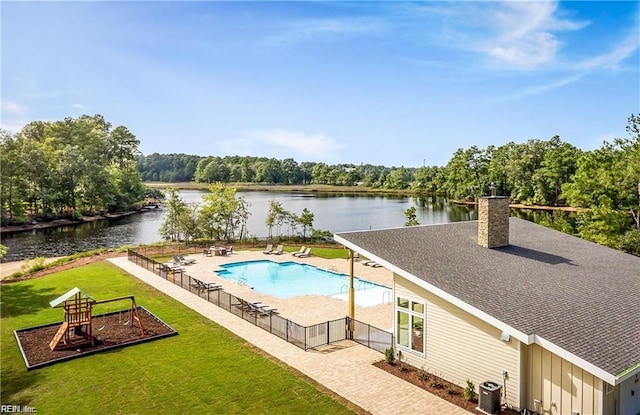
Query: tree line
x=52, y=169
x=551, y=172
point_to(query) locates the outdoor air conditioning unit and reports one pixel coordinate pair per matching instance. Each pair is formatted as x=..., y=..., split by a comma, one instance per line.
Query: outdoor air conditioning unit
x=489, y=398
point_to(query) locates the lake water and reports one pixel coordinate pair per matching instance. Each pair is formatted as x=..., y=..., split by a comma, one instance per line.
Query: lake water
x=332, y=212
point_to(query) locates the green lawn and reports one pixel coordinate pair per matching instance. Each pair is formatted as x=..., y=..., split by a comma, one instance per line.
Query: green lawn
x=326, y=253
x=205, y=369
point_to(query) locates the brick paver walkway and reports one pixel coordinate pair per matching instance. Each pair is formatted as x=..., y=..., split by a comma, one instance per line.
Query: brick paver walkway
x=347, y=371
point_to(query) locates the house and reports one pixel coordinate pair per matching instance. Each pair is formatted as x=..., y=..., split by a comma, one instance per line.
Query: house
x=551, y=318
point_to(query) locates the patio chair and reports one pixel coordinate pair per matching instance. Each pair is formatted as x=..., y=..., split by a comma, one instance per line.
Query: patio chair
x=256, y=308
x=300, y=251
x=180, y=259
x=279, y=250
x=245, y=305
x=171, y=268
x=263, y=310
x=305, y=254
x=205, y=286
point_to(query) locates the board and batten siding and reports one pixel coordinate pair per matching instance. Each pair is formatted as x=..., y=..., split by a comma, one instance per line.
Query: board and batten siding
x=560, y=386
x=460, y=346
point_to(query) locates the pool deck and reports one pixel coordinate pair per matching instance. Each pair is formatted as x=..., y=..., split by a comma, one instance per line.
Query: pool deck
x=345, y=368
x=308, y=309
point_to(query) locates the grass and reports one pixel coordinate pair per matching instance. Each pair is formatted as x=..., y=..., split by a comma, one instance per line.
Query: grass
x=205, y=369
x=326, y=253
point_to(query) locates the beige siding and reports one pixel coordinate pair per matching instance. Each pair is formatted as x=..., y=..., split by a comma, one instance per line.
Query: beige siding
x=561, y=386
x=460, y=346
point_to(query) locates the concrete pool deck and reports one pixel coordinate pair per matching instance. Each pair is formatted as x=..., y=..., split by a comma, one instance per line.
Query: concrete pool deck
x=345, y=369
x=308, y=309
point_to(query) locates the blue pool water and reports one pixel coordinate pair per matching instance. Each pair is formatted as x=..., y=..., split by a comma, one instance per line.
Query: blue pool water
x=290, y=279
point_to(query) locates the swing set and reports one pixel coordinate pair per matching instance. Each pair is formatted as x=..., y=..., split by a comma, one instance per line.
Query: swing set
x=78, y=309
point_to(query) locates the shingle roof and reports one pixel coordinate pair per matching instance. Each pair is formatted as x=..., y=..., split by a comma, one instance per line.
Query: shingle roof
x=580, y=296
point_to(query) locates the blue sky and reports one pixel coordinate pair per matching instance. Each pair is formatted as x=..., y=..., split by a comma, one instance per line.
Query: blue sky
x=390, y=83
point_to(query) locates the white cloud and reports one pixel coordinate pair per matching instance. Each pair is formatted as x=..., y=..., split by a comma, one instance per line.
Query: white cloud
x=542, y=88
x=336, y=28
x=13, y=116
x=79, y=107
x=280, y=143
x=307, y=145
x=13, y=108
x=612, y=59
x=524, y=33
x=513, y=34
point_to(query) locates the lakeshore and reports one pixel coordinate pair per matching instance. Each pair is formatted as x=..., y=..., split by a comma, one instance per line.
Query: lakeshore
x=67, y=222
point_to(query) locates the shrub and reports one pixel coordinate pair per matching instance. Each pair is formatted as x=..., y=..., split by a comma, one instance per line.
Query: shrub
x=36, y=264
x=435, y=383
x=389, y=356
x=470, y=391
x=403, y=367
x=422, y=374
x=16, y=274
x=452, y=391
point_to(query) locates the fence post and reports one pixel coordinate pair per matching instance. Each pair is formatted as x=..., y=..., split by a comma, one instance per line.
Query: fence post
x=305, y=337
x=328, y=332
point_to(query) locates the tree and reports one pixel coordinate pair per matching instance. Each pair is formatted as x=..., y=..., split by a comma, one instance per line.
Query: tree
x=398, y=179
x=603, y=224
x=412, y=219
x=222, y=215
x=612, y=171
x=558, y=165
x=13, y=186
x=171, y=229
x=276, y=216
x=306, y=220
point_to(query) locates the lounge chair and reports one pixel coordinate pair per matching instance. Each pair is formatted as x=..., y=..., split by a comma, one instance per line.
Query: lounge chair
x=300, y=251
x=373, y=264
x=306, y=253
x=269, y=249
x=254, y=307
x=205, y=286
x=181, y=260
x=279, y=250
x=171, y=268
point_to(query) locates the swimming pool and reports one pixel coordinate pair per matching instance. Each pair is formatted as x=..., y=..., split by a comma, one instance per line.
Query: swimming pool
x=291, y=279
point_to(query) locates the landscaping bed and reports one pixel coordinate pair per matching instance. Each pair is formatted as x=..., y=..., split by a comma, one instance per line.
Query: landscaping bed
x=110, y=331
x=435, y=385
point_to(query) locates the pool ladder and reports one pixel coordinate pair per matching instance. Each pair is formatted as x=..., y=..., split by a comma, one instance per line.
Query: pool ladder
x=360, y=287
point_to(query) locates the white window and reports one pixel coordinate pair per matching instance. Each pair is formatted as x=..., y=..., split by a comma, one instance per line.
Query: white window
x=410, y=319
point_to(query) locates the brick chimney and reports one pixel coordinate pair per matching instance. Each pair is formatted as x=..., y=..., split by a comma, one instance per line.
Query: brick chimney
x=493, y=221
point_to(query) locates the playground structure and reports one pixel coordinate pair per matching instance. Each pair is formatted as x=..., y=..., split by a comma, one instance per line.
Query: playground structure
x=78, y=317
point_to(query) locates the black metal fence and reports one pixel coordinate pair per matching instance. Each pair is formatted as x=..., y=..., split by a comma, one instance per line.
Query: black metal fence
x=305, y=337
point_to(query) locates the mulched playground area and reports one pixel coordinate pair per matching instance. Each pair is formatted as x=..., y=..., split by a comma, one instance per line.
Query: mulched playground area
x=111, y=330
